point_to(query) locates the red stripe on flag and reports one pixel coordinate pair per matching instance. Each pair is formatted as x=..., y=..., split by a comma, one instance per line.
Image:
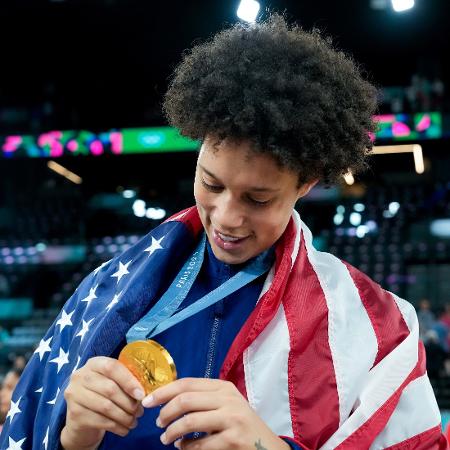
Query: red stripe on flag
x=267, y=306
x=432, y=439
x=366, y=433
x=312, y=384
x=190, y=217
x=387, y=320
x=237, y=376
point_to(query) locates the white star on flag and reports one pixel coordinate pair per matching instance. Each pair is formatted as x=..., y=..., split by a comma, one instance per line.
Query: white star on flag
x=13, y=445
x=123, y=270
x=39, y=390
x=84, y=329
x=13, y=410
x=155, y=245
x=101, y=267
x=45, y=441
x=91, y=295
x=114, y=301
x=61, y=360
x=43, y=347
x=52, y=402
x=65, y=320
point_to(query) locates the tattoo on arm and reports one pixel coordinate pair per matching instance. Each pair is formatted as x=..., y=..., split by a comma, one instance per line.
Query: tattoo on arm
x=259, y=446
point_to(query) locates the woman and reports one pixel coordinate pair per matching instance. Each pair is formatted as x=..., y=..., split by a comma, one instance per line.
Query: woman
x=8, y=385
x=306, y=352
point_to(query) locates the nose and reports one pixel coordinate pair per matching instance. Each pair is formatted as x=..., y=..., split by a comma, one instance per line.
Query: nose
x=228, y=215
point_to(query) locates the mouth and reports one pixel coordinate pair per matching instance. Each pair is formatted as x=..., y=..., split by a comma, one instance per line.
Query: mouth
x=228, y=242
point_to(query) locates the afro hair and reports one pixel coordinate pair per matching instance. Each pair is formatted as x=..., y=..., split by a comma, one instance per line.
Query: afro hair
x=286, y=90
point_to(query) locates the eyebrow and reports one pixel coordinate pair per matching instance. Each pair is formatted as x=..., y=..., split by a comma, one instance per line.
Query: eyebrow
x=253, y=189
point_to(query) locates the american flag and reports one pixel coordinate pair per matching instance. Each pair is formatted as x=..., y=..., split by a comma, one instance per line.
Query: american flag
x=93, y=322
x=327, y=358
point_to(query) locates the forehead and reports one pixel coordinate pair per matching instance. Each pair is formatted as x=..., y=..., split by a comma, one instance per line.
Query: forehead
x=239, y=155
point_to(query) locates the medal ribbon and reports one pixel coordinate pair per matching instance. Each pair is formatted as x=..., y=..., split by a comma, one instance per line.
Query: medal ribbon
x=161, y=317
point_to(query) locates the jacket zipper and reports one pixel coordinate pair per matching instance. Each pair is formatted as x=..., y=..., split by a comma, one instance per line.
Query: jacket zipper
x=211, y=355
x=212, y=347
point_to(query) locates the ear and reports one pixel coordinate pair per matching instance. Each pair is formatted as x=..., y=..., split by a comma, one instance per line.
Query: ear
x=305, y=188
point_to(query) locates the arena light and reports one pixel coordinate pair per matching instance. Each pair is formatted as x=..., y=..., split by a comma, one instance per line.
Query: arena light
x=248, y=10
x=415, y=149
x=348, y=177
x=402, y=5
x=418, y=158
x=155, y=213
x=139, y=208
x=129, y=193
x=338, y=219
x=66, y=173
x=440, y=228
x=362, y=230
x=355, y=219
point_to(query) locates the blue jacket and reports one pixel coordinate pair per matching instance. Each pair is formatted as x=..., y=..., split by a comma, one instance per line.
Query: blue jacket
x=198, y=345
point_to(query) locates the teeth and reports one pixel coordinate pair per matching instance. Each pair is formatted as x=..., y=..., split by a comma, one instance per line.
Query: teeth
x=227, y=238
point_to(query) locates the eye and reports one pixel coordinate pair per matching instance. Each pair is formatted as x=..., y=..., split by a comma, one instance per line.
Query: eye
x=259, y=203
x=217, y=189
x=211, y=187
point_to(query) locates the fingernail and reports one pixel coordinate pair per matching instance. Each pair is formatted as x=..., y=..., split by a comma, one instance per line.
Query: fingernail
x=163, y=438
x=138, y=394
x=177, y=444
x=148, y=401
x=158, y=422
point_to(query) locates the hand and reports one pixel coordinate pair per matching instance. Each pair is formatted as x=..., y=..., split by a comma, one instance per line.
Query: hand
x=215, y=407
x=102, y=396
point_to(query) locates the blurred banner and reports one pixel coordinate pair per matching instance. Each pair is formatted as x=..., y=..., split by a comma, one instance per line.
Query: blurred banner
x=54, y=144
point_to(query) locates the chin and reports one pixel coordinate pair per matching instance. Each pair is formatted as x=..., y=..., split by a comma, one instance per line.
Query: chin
x=227, y=257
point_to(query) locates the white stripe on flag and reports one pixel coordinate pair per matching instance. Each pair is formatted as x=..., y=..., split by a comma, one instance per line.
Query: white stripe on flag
x=384, y=379
x=178, y=216
x=266, y=375
x=416, y=412
x=352, y=339
x=298, y=234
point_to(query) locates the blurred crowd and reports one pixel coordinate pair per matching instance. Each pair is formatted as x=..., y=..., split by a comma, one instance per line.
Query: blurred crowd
x=8, y=382
x=424, y=94
x=434, y=329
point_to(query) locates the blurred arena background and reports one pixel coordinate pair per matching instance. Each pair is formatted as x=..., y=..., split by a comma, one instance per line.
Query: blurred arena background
x=88, y=164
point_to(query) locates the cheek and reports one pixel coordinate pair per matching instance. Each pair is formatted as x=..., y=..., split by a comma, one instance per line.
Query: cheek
x=273, y=223
x=201, y=198
x=203, y=202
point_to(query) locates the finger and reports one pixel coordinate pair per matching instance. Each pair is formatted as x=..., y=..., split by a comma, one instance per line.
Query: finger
x=206, y=422
x=188, y=402
x=171, y=390
x=108, y=388
x=113, y=369
x=140, y=411
x=211, y=442
x=104, y=406
x=81, y=418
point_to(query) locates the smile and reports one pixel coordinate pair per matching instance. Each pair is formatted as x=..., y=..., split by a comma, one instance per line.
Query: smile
x=227, y=242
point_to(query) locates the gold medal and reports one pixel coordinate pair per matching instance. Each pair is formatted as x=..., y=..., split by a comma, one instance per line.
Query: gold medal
x=150, y=363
